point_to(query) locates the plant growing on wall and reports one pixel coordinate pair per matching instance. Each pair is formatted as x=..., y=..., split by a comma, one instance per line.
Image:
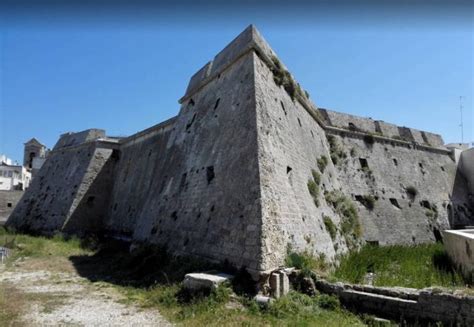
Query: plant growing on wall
x=314, y=191
x=322, y=163
x=330, y=227
x=313, y=186
x=350, y=224
x=282, y=77
x=335, y=150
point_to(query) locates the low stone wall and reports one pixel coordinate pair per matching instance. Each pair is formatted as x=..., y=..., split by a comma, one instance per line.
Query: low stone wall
x=460, y=247
x=405, y=304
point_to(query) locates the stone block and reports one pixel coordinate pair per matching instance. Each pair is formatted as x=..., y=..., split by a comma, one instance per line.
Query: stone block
x=199, y=281
x=284, y=283
x=275, y=285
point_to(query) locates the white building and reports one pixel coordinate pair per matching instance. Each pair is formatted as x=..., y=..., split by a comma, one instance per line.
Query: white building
x=13, y=177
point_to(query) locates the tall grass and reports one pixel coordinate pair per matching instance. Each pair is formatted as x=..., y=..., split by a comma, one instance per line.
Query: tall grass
x=407, y=266
x=38, y=246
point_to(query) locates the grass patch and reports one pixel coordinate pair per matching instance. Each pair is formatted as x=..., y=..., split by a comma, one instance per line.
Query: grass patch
x=12, y=303
x=330, y=227
x=350, y=224
x=150, y=277
x=407, y=266
x=39, y=246
x=306, y=262
x=322, y=163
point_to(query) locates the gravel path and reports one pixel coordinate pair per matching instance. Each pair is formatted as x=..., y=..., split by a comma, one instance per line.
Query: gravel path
x=64, y=298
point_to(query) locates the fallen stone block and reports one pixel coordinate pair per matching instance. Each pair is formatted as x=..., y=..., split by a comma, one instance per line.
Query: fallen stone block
x=275, y=285
x=262, y=300
x=284, y=283
x=200, y=281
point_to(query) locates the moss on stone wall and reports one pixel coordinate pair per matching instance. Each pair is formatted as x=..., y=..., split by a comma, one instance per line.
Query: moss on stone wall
x=350, y=224
x=330, y=226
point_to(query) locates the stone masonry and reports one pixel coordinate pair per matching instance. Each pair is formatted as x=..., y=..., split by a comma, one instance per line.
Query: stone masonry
x=227, y=178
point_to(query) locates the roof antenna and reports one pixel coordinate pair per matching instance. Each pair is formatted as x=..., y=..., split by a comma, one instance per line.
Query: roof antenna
x=461, y=125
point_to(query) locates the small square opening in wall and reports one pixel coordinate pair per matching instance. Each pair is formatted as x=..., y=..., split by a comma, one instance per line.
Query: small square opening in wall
x=9, y=205
x=395, y=162
x=363, y=163
x=395, y=203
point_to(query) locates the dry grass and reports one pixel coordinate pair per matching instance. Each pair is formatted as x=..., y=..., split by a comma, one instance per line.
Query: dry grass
x=12, y=304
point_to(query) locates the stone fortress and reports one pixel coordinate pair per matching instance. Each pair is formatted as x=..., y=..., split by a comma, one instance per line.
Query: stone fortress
x=248, y=168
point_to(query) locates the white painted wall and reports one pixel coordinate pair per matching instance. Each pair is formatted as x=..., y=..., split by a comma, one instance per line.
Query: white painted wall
x=11, y=176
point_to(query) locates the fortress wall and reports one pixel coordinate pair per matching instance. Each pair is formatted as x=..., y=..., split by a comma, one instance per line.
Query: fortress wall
x=342, y=120
x=199, y=193
x=8, y=202
x=139, y=163
x=368, y=125
x=387, y=129
x=72, y=139
x=290, y=142
x=58, y=188
x=88, y=210
x=391, y=168
x=466, y=167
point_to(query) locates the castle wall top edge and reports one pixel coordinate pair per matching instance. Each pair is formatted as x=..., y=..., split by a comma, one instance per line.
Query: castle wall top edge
x=379, y=127
x=249, y=39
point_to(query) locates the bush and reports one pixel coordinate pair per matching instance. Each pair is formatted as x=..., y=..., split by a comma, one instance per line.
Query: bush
x=350, y=219
x=314, y=191
x=328, y=302
x=303, y=261
x=335, y=150
x=330, y=227
x=411, y=191
x=322, y=163
x=283, y=78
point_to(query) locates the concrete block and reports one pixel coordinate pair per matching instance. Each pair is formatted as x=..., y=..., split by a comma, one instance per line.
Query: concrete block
x=275, y=285
x=199, y=281
x=263, y=300
x=284, y=283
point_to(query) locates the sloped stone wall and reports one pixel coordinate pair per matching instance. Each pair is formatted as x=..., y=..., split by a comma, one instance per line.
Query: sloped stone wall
x=58, y=190
x=8, y=202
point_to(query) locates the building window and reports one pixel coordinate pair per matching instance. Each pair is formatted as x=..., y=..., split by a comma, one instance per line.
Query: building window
x=10, y=174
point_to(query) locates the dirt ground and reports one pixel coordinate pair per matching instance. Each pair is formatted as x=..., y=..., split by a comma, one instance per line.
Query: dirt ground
x=38, y=293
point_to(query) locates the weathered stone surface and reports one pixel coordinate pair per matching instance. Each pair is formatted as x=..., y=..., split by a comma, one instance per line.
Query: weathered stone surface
x=420, y=306
x=8, y=202
x=459, y=244
x=275, y=285
x=227, y=178
x=198, y=281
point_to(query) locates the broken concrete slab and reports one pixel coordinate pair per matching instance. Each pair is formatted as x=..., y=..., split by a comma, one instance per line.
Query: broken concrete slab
x=200, y=281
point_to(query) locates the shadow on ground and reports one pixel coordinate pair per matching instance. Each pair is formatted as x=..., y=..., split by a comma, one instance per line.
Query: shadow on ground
x=148, y=265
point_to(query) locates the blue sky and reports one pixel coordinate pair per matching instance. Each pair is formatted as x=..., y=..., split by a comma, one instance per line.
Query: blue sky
x=124, y=74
